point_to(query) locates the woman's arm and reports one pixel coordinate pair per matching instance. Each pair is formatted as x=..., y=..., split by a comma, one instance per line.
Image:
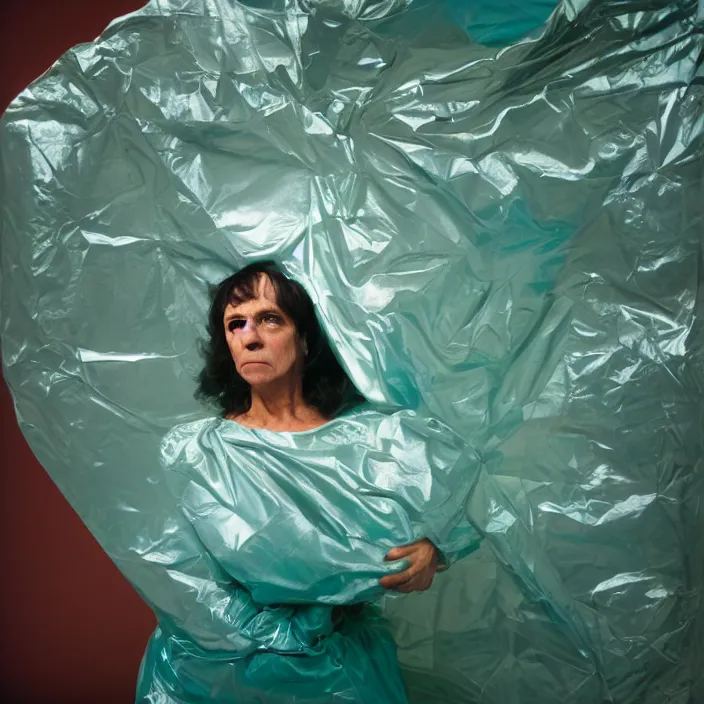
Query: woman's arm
x=205, y=610
x=197, y=602
x=452, y=463
x=425, y=560
x=300, y=524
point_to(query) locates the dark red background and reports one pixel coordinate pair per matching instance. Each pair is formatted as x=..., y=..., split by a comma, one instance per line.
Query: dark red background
x=72, y=628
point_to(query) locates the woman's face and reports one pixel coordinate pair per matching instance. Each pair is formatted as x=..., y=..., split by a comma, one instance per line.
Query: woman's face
x=263, y=340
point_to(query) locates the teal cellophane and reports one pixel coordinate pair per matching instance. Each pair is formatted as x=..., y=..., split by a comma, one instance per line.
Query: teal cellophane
x=502, y=233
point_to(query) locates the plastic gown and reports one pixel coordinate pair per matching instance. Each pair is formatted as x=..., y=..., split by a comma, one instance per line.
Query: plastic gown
x=499, y=217
x=302, y=520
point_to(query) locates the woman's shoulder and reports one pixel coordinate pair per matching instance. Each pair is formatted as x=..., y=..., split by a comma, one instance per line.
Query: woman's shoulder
x=184, y=434
x=194, y=426
x=364, y=423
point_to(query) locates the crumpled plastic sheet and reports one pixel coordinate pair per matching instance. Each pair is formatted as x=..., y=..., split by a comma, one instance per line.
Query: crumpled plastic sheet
x=300, y=523
x=500, y=230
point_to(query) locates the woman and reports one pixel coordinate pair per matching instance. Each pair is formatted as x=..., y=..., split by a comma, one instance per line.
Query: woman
x=296, y=493
x=270, y=367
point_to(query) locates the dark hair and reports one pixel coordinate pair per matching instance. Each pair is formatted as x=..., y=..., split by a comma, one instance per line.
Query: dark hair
x=325, y=384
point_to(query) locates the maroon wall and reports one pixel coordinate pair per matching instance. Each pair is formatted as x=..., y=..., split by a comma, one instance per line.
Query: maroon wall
x=72, y=628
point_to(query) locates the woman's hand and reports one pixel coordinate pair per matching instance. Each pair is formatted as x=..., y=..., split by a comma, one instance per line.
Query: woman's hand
x=423, y=557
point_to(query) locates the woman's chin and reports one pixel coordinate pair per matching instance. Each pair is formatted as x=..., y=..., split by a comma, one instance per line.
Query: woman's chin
x=257, y=374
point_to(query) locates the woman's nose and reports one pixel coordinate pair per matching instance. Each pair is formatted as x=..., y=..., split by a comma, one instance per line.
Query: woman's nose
x=250, y=336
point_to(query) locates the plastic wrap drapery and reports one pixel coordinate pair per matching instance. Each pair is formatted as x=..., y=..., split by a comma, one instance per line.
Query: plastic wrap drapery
x=301, y=522
x=503, y=233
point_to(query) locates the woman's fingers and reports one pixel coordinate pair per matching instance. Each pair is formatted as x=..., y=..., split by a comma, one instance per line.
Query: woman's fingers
x=394, y=580
x=416, y=577
x=391, y=581
x=419, y=576
x=402, y=582
x=400, y=553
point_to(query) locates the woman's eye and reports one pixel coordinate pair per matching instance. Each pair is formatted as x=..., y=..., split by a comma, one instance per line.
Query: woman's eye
x=235, y=325
x=272, y=319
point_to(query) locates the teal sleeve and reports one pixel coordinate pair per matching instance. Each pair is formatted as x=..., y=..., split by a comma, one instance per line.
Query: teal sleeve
x=202, y=607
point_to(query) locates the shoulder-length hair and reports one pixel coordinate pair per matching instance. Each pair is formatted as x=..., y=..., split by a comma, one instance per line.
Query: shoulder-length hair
x=326, y=386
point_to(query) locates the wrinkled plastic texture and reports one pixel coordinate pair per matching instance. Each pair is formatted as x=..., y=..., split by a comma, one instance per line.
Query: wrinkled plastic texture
x=301, y=519
x=500, y=231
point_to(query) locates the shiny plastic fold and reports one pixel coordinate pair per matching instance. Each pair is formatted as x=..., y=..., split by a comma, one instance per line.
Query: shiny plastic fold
x=498, y=215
